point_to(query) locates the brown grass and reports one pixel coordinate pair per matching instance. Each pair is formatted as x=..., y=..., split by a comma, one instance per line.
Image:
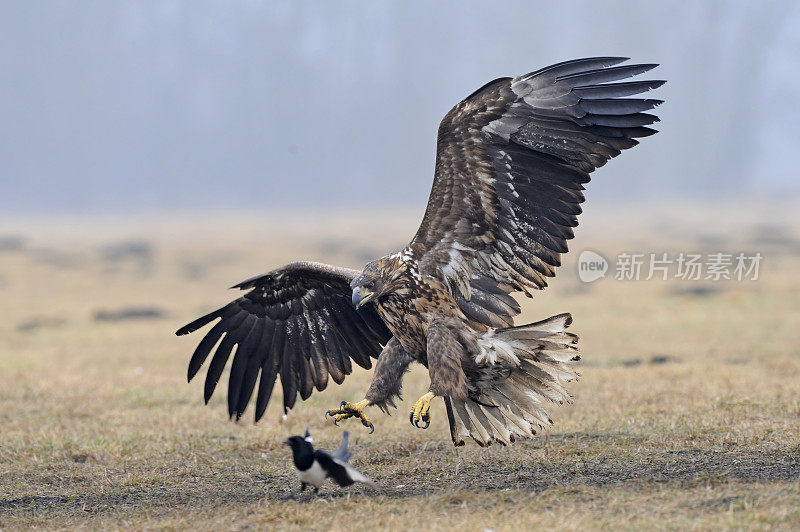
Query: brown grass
x=687, y=415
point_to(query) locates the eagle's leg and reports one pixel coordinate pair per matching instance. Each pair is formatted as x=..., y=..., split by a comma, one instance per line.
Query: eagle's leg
x=347, y=410
x=387, y=380
x=386, y=384
x=444, y=367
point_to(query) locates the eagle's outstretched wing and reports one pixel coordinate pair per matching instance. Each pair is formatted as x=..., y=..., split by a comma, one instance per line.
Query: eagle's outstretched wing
x=511, y=163
x=297, y=322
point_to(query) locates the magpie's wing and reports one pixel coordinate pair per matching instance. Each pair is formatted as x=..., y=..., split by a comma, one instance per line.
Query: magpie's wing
x=342, y=453
x=341, y=472
x=296, y=322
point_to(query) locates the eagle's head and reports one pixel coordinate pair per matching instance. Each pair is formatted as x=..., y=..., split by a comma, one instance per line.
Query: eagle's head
x=378, y=279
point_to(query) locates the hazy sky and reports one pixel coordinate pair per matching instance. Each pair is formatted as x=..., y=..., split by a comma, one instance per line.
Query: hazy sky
x=146, y=106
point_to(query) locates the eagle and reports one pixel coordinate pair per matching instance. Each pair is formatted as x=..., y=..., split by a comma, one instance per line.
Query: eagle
x=511, y=164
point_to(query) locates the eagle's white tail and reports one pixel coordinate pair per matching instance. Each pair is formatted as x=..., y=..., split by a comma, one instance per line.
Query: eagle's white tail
x=526, y=367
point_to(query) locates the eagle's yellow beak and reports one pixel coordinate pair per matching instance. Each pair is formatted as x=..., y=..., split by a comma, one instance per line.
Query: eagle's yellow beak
x=361, y=295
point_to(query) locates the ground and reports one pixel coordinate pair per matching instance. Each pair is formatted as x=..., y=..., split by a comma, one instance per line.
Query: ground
x=687, y=414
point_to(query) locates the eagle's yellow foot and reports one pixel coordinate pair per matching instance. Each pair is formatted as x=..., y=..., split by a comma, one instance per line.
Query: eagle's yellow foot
x=422, y=411
x=347, y=410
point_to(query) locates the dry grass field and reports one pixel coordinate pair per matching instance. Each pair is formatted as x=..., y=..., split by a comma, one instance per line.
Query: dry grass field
x=687, y=414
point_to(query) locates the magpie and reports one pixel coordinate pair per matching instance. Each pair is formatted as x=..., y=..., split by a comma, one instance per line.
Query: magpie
x=315, y=465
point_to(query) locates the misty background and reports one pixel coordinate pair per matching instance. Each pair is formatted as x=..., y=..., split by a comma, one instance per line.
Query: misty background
x=114, y=106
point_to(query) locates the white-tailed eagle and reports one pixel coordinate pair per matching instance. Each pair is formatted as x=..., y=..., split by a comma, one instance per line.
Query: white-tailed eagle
x=511, y=164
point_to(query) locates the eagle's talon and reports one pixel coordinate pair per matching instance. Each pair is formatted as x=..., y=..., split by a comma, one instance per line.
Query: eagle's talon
x=347, y=410
x=426, y=417
x=421, y=411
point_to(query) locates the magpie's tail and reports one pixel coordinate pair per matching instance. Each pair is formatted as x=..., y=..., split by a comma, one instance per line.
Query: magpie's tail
x=342, y=453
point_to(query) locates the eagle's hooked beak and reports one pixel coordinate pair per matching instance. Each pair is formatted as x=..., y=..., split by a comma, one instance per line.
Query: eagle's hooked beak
x=361, y=295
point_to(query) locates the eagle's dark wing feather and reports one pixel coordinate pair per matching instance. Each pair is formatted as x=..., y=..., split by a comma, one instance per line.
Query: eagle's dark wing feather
x=296, y=322
x=511, y=163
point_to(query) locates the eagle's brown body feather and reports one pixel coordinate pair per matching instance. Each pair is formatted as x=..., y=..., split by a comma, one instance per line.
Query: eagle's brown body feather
x=413, y=303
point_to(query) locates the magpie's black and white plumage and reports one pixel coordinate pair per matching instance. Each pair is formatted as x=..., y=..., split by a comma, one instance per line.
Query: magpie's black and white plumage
x=314, y=466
